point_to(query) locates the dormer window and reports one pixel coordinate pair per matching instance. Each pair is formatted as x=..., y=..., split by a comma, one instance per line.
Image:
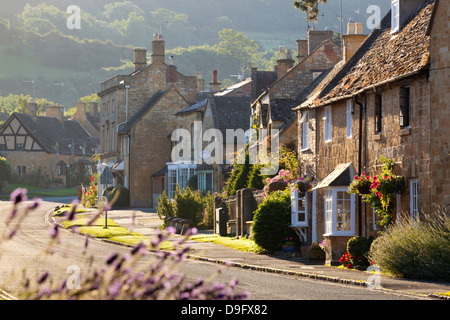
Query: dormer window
x=395, y=16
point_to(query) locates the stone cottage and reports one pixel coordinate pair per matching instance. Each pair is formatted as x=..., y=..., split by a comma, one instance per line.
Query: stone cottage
x=273, y=108
x=388, y=99
x=137, y=117
x=49, y=147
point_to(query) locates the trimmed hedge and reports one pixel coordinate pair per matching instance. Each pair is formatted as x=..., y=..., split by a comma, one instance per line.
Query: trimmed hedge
x=272, y=220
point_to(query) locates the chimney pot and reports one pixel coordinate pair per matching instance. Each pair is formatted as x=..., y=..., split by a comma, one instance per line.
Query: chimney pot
x=215, y=86
x=140, y=58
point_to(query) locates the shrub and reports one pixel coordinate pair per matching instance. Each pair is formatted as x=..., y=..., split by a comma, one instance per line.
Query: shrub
x=208, y=213
x=119, y=197
x=189, y=205
x=271, y=221
x=415, y=249
x=5, y=170
x=166, y=207
x=357, y=248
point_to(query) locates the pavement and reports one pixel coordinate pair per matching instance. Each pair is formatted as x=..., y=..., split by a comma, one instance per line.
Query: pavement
x=147, y=222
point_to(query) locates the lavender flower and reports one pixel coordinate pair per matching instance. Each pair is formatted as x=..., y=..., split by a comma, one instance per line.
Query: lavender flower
x=18, y=195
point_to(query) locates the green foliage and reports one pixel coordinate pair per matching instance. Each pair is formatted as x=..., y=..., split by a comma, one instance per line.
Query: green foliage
x=119, y=197
x=5, y=170
x=166, y=207
x=415, y=249
x=189, y=205
x=357, y=249
x=311, y=7
x=271, y=221
x=255, y=179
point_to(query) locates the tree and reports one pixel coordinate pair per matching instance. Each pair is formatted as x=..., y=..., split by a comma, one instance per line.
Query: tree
x=237, y=44
x=311, y=7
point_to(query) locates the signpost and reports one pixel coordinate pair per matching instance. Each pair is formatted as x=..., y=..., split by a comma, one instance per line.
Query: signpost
x=106, y=178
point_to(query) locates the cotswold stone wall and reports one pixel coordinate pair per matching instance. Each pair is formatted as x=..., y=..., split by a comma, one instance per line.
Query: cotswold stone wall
x=440, y=110
x=150, y=146
x=301, y=75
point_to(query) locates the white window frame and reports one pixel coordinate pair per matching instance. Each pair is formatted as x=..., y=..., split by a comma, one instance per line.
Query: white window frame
x=296, y=210
x=414, y=198
x=175, y=177
x=331, y=212
x=305, y=130
x=349, y=118
x=395, y=16
x=328, y=125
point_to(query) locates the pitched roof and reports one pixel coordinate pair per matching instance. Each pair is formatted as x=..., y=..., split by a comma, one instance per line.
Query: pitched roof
x=48, y=131
x=383, y=57
x=142, y=111
x=231, y=112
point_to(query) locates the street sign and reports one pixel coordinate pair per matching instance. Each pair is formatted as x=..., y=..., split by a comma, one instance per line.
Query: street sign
x=106, y=177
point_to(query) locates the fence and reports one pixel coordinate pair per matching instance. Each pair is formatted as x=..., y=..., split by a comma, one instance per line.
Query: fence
x=238, y=211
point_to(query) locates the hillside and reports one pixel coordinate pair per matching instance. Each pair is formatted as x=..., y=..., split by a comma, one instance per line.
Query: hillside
x=35, y=42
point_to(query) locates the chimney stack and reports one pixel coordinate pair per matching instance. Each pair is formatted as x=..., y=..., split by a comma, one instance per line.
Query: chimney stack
x=200, y=82
x=93, y=108
x=56, y=112
x=81, y=110
x=140, y=58
x=285, y=63
x=31, y=107
x=316, y=38
x=215, y=86
x=171, y=73
x=353, y=40
x=302, y=49
x=158, y=50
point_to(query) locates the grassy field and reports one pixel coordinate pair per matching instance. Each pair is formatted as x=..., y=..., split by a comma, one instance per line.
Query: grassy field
x=37, y=192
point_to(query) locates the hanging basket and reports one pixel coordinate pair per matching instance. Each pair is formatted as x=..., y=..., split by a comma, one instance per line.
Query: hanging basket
x=363, y=189
x=277, y=186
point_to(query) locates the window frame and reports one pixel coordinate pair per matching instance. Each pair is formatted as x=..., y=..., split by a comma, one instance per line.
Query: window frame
x=328, y=128
x=395, y=16
x=305, y=130
x=349, y=118
x=414, y=199
x=295, y=198
x=331, y=212
x=378, y=116
x=405, y=107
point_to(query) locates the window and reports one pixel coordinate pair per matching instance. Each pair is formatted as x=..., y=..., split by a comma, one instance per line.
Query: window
x=395, y=16
x=327, y=124
x=299, y=209
x=21, y=170
x=178, y=175
x=305, y=123
x=349, y=118
x=205, y=181
x=405, y=109
x=378, y=113
x=339, y=212
x=414, y=198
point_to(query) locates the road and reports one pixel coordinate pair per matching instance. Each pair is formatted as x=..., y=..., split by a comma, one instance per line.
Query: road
x=19, y=255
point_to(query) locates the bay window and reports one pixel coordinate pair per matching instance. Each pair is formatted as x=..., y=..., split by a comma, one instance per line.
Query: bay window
x=339, y=212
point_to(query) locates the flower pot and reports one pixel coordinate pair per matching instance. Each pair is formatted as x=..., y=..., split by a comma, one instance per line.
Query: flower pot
x=316, y=254
x=364, y=189
x=277, y=186
x=288, y=248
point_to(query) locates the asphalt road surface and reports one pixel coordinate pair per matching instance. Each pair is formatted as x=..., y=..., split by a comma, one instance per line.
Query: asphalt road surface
x=22, y=255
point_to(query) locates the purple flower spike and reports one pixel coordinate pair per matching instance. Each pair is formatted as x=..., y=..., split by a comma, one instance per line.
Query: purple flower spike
x=19, y=195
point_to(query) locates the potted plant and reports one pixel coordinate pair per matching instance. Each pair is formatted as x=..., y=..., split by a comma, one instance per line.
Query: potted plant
x=361, y=184
x=303, y=185
x=289, y=245
x=316, y=252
